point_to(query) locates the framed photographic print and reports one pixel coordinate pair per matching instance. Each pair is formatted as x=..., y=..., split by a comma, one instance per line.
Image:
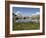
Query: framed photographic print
x=24, y=18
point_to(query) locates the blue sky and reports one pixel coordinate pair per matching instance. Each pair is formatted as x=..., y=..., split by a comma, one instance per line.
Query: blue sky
x=26, y=11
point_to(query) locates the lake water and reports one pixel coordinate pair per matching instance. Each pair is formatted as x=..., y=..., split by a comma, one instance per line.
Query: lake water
x=26, y=20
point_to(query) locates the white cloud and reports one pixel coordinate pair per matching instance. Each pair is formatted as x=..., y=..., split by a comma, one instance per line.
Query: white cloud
x=37, y=13
x=18, y=13
x=33, y=14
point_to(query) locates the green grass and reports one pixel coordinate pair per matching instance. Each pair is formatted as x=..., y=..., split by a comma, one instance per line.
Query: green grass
x=26, y=26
